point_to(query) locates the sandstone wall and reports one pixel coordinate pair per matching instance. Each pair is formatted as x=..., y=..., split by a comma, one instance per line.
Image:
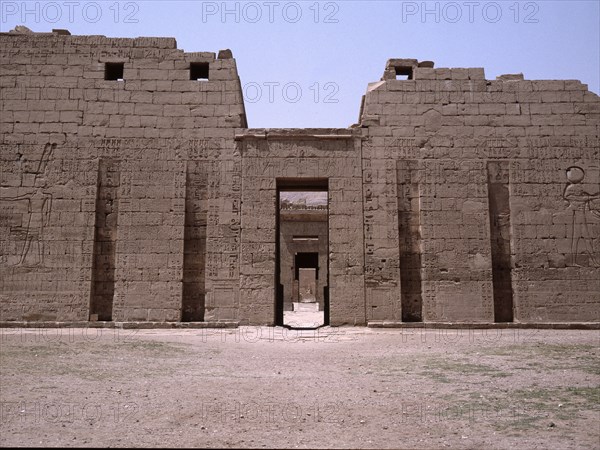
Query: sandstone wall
x=484, y=202
x=146, y=197
x=47, y=231
x=136, y=177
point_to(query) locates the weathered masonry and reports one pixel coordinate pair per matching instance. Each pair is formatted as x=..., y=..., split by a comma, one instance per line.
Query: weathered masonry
x=132, y=190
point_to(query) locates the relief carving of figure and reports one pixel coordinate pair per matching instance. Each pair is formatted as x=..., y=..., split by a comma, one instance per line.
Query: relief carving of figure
x=39, y=207
x=581, y=201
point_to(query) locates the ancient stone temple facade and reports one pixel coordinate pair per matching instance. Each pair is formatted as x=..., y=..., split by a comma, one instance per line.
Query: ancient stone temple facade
x=132, y=190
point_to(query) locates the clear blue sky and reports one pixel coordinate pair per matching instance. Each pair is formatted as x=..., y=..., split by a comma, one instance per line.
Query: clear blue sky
x=316, y=58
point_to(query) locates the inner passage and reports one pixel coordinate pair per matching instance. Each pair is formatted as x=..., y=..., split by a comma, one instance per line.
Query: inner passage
x=303, y=259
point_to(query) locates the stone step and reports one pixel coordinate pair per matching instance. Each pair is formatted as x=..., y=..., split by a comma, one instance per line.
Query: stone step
x=295, y=319
x=306, y=307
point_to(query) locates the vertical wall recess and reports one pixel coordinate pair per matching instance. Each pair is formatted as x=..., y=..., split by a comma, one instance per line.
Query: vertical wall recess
x=499, y=208
x=105, y=241
x=194, y=247
x=410, y=242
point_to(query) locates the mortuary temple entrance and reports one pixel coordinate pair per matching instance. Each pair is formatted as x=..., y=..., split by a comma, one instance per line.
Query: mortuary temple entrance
x=130, y=191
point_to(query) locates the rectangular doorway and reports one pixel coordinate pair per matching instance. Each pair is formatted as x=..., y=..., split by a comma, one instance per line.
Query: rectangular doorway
x=302, y=253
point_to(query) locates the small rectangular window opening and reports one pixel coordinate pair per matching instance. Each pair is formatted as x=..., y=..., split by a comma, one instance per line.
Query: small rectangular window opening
x=114, y=71
x=199, y=71
x=404, y=73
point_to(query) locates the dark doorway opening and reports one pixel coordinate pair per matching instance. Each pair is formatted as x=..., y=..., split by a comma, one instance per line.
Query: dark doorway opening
x=306, y=261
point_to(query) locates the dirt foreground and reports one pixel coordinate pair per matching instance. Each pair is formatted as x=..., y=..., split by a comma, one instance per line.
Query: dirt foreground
x=271, y=387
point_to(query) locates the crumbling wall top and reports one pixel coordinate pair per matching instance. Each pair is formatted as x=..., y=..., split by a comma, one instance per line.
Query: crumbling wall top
x=296, y=133
x=404, y=67
x=413, y=69
x=22, y=32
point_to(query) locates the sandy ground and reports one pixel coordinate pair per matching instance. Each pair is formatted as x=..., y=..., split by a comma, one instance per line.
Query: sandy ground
x=272, y=387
